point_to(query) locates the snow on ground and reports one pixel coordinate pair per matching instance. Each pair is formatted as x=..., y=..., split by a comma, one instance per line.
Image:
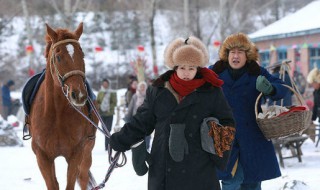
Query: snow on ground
x=19, y=170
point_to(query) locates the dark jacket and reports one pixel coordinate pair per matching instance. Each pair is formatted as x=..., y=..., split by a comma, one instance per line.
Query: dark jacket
x=6, y=97
x=160, y=109
x=316, y=106
x=255, y=153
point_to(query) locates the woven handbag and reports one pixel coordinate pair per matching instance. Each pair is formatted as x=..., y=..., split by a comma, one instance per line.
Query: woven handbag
x=284, y=125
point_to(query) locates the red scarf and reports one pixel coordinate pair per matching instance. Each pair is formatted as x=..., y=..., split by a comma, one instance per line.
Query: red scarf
x=183, y=88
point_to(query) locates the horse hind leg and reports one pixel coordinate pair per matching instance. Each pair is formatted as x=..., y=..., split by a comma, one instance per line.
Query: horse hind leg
x=77, y=171
x=73, y=172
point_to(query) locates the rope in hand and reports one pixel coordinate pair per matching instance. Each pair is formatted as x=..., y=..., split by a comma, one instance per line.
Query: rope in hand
x=112, y=160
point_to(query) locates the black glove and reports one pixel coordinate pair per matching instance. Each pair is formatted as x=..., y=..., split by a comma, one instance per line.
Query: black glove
x=139, y=157
x=115, y=143
x=177, y=142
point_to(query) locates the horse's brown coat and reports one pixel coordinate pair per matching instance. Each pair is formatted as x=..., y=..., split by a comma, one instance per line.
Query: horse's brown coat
x=57, y=128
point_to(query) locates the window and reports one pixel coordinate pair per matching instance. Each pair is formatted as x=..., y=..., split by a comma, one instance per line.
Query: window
x=264, y=58
x=282, y=55
x=314, y=57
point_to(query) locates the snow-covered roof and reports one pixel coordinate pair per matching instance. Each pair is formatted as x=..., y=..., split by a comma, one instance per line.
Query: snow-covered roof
x=304, y=21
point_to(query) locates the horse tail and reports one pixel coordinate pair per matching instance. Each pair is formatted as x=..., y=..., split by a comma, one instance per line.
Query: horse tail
x=92, y=182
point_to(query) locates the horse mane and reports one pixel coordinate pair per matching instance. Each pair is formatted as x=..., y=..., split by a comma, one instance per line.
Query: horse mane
x=62, y=35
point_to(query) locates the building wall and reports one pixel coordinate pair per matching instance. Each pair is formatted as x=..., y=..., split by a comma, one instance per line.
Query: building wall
x=290, y=44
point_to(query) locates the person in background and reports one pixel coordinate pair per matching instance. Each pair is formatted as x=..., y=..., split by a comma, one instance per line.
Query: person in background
x=313, y=78
x=253, y=157
x=176, y=105
x=136, y=101
x=132, y=87
x=107, y=101
x=7, y=100
x=279, y=72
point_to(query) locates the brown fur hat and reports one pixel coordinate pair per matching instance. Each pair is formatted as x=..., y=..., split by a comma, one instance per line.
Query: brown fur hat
x=186, y=52
x=240, y=41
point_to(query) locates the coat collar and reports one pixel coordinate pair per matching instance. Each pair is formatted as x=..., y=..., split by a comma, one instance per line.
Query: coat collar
x=253, y=67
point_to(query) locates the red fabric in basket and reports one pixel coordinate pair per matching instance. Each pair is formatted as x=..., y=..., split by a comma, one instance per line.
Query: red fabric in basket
x=294, y=109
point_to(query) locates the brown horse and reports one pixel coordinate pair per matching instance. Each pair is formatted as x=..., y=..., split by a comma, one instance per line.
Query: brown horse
x=57, y=128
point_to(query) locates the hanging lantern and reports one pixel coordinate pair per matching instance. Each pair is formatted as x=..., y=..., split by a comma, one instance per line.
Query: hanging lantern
x=31, y=72
x=155, y=70
x=29, y=49
x=305, y=45
x=272, y=48
x=98, y=49
x=140, y=48
x=216, y=43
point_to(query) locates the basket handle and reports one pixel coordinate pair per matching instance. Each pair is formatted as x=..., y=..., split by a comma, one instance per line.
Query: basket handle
x=295, y=93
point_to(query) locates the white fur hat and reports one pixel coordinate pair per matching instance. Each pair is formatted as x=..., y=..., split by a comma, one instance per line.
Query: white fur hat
x=314, y=76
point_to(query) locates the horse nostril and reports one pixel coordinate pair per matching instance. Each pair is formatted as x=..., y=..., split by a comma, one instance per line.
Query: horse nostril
x=73, y=95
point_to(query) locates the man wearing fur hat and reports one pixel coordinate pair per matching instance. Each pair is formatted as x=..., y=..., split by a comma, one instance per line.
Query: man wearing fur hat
x=313, y=78
x=253, y=157
x=175, y=107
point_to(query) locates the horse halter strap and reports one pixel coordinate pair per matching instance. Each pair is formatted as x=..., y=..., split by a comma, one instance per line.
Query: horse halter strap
x=52, y=61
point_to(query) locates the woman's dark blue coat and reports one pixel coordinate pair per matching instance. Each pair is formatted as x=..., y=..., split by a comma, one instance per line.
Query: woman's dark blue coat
x=160, y=109
x=255, y=153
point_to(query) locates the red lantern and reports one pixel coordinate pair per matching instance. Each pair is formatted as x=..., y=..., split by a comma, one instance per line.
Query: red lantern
x=98, y=49
x=216, y=43
x=31, y=72
x=29, y=48
x=140, y=48
x=155, y=70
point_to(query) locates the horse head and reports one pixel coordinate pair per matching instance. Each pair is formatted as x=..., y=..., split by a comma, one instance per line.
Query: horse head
x=65, y=60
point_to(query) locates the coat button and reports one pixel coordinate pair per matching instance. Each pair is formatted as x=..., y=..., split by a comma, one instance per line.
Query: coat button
x=183, y=171
x=169, y=169
x=194, y=116
x=190, y=135
x=173, y=113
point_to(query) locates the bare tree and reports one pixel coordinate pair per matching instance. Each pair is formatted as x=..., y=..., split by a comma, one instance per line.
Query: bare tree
x=152, y=36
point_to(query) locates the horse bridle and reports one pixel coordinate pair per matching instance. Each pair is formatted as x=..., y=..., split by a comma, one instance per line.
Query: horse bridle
x=63, y=78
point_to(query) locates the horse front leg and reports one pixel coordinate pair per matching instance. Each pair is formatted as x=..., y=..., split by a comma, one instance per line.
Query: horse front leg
x=85, y=167
x=47, y=169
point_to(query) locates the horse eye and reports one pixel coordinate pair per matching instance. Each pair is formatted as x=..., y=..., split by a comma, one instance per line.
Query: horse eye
x=58, y=58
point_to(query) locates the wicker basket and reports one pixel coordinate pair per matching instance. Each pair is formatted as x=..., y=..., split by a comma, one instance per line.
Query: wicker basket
x=284, y=125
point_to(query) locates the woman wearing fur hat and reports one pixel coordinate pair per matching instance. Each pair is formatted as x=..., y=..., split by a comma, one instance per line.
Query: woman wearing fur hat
x=253, y=157
x=313, y=78
x=175, y=106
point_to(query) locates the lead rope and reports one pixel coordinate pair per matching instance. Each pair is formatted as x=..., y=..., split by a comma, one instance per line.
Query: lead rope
x=112, y=160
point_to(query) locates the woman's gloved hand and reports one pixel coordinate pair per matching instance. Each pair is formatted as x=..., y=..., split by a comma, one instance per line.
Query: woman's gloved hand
x=263, y=85
x=178, y=145
x=139, y=158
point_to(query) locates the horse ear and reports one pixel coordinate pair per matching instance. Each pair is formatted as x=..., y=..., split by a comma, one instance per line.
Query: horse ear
x=52, y=34
x=79, y=30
